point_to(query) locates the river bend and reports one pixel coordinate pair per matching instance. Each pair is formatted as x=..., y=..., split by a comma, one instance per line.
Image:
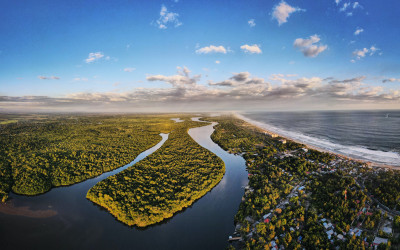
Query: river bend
x=79, y=224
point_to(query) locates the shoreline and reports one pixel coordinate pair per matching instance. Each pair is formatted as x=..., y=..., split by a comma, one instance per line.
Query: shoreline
x=370, y=164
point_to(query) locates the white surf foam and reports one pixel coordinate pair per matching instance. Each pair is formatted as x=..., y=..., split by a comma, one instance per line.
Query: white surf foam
x=357, y=152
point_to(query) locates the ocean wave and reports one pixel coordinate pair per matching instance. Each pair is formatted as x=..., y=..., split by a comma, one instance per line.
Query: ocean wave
x=357, y=152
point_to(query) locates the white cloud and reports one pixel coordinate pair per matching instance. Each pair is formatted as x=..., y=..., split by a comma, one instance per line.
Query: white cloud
x=356, y=5
x=211, y=49
x=81, y=79
x=94, y=56
x=252, y=49
x=314, y=50
x=358, y=31
x=282, y=11
x=308, y=46
x=251, y=23
x=372, y=50
x=280, y=77
x=360, y=53
x=167, y=18
x=48, y=77
x=129, y=69
x=337, y=2
x=181, y=80
x=344, y=7
x=217, y=62
x=349, y=7
x=300, y=42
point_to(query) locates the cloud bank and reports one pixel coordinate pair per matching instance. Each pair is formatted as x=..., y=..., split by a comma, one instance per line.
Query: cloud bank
x=240, y=91
x=391, y=80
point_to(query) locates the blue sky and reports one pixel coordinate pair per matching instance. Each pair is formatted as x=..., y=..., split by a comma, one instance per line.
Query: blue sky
x=123, y=55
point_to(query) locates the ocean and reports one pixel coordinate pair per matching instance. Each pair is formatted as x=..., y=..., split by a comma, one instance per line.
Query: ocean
x=367, y=135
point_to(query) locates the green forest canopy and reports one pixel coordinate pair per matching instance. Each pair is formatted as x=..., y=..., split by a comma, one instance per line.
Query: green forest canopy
x=39, y=152
x=165, y=182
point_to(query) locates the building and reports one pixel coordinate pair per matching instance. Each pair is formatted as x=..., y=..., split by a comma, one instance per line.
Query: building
x=329, y=233
x=387, y=230
x=267, y=216
x=378, y=241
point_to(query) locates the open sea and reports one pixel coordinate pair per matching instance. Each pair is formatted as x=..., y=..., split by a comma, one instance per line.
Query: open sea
x=367, y=135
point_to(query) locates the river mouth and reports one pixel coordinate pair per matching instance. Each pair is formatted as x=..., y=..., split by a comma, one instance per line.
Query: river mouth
x=80, y=224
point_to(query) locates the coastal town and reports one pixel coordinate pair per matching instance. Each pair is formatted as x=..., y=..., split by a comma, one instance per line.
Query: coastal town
x=299, y=197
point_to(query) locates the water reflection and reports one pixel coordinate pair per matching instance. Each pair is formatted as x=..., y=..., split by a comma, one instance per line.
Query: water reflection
x=80, y=224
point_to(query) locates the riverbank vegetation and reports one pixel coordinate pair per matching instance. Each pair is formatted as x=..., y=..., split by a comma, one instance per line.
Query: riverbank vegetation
x=165, y=182
x=39, y=152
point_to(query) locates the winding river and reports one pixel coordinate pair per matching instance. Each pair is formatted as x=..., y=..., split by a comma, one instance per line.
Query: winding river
x=73, y=222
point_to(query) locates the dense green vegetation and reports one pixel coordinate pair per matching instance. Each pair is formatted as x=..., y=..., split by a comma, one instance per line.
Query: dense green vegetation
x=163, y=183
x=319, y=156
x=44, y=151
x=385, y=185
x=301, y=198
x=335, y=196
x=8, y=121
x=38, y=152
x=293, y=192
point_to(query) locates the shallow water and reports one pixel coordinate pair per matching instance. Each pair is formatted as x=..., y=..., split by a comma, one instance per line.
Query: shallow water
x=81, y=224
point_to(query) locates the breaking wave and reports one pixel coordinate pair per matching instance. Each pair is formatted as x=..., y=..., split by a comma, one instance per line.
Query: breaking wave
x=355, y=151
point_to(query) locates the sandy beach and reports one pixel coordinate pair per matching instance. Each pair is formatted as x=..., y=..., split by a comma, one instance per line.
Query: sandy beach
x=259, y=126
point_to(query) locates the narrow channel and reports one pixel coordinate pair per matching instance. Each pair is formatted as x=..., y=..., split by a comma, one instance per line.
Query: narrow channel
x=80, y=224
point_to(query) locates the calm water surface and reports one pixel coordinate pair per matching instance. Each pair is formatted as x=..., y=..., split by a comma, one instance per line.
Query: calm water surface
x=81, y=224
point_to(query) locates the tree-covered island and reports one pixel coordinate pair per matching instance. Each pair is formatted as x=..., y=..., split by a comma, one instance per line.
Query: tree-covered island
x=165, y=182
